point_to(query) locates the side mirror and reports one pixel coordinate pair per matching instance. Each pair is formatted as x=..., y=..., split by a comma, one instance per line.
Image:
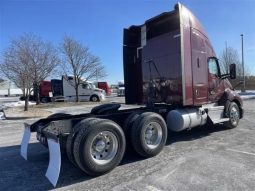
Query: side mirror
x=232, y=71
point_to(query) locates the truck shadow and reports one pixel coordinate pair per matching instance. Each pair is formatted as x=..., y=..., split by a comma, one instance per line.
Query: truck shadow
x=19, y=174
x=17, y=118
x=173, y=137
x=194, y=133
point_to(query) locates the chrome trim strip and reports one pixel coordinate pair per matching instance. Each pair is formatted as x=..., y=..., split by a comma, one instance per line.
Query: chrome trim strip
x=182, y=53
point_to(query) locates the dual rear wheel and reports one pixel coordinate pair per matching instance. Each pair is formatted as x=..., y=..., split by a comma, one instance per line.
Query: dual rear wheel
x=96, y=146
x=147, y=133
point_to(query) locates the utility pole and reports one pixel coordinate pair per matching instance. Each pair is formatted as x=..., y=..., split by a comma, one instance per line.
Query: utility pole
x=243, y=89
x=227, y=68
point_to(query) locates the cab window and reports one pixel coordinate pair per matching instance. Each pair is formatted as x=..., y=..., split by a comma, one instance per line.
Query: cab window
x=213, y=67
x=85, y=86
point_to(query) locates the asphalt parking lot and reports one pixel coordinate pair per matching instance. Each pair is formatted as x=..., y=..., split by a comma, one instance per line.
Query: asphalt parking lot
x=206, y=158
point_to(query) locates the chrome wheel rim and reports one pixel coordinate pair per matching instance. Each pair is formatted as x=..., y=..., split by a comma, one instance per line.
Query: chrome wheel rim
x=104, y=147
x=234, y=115
x=153, y=135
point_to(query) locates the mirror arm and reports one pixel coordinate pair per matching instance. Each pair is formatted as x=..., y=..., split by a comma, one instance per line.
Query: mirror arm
x=224, y=76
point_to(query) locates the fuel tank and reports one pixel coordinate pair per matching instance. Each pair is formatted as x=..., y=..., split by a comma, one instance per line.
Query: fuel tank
x=181, y=119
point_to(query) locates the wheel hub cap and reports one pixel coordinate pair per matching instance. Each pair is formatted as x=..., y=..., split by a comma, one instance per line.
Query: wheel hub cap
x=153, y=135
x=234, y=115
x=100, y=146
x=104, y=147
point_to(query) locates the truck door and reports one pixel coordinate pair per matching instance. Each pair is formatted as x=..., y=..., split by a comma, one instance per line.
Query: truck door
x=199, y=67
x=215, y=84
x=86, y=92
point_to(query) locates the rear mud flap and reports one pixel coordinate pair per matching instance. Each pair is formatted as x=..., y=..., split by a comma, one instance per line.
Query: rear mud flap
x=25, y=142
x=53, y=170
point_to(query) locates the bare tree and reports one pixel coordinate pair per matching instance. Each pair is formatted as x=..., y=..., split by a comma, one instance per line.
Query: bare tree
x=229, y=56
x=43, y=59
x=80, y=63
x=15, y=66
x=27, y=61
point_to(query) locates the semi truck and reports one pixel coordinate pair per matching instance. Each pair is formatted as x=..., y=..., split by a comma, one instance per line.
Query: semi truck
x=121, y=88
x=171, y=72
x=104, y=86
x=87, y=91
x=63, y=90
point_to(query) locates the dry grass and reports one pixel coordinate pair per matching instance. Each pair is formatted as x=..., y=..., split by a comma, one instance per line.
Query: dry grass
x=36, y=111
x=18, y=112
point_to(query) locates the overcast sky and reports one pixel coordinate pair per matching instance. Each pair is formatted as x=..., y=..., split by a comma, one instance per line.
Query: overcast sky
x=99, y=24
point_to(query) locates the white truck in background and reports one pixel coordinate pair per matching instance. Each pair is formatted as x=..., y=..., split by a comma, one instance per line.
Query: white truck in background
x=87, y=91
x=121, y=88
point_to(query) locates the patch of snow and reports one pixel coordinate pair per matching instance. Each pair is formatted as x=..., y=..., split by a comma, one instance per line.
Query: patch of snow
x=18, y=103
x=248, y=94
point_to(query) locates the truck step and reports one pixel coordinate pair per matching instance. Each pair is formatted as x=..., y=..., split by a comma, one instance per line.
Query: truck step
x=220, y=120
x=216, y=114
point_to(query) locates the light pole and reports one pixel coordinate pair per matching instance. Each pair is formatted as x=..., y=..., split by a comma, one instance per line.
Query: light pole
x=243, y=89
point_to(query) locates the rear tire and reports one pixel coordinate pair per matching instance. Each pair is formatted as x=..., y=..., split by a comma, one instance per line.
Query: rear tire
x=71, y=137
x=44, y=100
x=234, y=115
x=149, y=134
x=127, y=128
x=100, y=147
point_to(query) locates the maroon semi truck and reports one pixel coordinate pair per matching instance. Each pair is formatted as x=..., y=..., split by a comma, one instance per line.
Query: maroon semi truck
x=44, y=91
x=104, y=86
x=170, y=67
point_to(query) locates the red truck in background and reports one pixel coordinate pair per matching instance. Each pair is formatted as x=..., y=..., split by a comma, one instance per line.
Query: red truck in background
x=104, y=86
x=53, y=87
x=44, y=91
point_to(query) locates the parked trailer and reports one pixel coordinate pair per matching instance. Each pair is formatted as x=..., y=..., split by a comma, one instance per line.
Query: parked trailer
x=170, y=66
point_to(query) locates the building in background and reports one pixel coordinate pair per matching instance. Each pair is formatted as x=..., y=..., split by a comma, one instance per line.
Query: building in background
x=8, y=88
